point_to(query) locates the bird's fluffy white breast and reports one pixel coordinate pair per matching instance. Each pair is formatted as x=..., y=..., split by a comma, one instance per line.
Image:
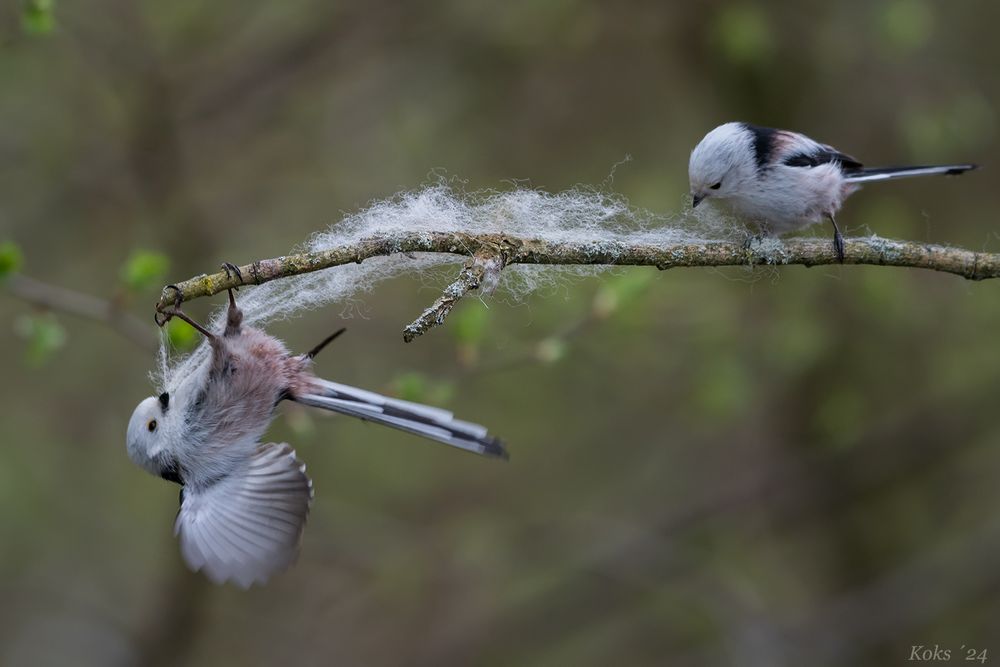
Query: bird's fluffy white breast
x=785, y=198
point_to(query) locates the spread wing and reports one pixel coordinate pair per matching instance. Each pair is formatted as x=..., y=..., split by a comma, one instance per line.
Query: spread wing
x=247, y=525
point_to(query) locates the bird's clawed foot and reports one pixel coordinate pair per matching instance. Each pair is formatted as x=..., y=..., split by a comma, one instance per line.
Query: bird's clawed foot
x=838, y=240
x=838, y=246
x=233, y=271
x=234, y=316
x=752, y=239
x=165, y=313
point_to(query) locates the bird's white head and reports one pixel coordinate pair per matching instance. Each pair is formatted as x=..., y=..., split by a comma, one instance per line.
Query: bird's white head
x=148, y=437
x=723, y=163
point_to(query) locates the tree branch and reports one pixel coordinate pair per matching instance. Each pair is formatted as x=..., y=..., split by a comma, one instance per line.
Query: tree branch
x=512, y=250
x=53, y=297
x=483, y=269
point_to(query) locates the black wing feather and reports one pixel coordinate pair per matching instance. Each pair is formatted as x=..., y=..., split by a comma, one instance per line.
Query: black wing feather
x=764, y=142
x=825, y=155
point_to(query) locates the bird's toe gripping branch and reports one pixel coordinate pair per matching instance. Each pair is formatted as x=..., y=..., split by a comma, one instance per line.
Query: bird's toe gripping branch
x=232, y=271
x=164, y=313
x=482, y=272
x=169, y=305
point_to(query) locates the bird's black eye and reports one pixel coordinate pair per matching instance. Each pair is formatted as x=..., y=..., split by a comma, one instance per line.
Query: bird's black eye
x=151, y=425
x=716, y=186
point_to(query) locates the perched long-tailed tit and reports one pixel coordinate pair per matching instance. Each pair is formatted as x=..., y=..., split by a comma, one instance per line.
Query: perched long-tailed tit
x=244, y=503
x=784, y=181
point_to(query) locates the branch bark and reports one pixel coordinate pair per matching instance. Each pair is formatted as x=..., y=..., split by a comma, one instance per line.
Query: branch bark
x=482, y=270
x=512, y=250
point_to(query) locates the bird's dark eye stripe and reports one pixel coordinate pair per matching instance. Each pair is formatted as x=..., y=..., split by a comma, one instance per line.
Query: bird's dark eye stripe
x=152, y=425
x=716, y=186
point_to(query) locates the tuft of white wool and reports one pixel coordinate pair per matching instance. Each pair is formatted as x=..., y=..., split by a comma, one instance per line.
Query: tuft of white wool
x=579, y=215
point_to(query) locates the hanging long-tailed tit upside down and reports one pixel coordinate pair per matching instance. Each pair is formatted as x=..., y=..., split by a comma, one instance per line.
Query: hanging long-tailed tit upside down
x=784, y=181
x=244, y=503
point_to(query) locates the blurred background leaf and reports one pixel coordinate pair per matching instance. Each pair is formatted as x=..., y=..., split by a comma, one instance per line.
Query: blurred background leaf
x=743, y=33
x=620, y=290
x=909, y=24
x=11, y=258
x=144, y=270
x=468, y=326
x=38, y=16
x=418, y=387
x=43, y=335
x=767, y=467
x=182, y=336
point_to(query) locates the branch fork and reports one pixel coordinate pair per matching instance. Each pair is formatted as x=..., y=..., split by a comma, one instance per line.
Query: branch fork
x=481, y=272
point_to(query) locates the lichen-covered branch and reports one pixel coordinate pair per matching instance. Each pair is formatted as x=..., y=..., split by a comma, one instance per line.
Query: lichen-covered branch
x=514, y=250
x=481, y=271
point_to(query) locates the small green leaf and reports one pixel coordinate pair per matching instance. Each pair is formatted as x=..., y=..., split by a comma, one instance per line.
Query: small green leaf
x=414, y=386
x=44, y=336
x=724, y=388
x=551, y=350
x=620, y=291
x=410, y=386
x=144, y=270
x=743, y=34
x=181, y=335
x=38, y=17
x=840, y=417
x=11, y=259
x=469, y=324
x=441, y=392
x=908, y=24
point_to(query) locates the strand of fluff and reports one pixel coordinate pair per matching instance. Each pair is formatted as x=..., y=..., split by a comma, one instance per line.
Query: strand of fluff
x=579, y=215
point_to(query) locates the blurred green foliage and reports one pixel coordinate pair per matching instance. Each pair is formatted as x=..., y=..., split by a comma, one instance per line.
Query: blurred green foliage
x=743, y=33
x=181, y=336
x=11, y=258
x=38, y=16
x=414, y=386
x=144, y=270
x=619, y=291
x=469, y=322
x=908, y=24
x=770, y=466
x=551, y=350
x=468, y=325
x=43, y=334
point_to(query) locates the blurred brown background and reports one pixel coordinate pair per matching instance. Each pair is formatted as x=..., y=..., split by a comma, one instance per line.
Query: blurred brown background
x=708, y=467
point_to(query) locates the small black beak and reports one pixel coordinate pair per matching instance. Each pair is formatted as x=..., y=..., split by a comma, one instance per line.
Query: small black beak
x=695, y=200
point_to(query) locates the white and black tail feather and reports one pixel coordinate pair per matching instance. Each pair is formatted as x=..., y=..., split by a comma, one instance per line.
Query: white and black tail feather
x=887, y=173
x=423, y=420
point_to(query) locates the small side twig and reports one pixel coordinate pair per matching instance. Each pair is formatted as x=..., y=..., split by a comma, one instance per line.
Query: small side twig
x=482, y=271
x=61, y=299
